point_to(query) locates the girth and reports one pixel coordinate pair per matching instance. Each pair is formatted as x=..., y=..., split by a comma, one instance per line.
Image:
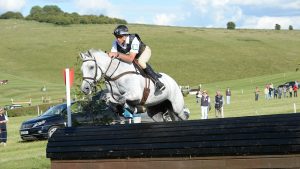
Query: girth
x=146, y=90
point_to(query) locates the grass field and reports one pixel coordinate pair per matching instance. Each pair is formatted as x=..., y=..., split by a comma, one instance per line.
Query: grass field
x=33, y=55
x=22, y=155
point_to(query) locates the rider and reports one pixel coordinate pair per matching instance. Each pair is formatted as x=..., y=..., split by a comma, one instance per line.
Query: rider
x=128, y=47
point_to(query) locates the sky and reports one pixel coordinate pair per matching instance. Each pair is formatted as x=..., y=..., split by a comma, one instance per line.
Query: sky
x=248, y=14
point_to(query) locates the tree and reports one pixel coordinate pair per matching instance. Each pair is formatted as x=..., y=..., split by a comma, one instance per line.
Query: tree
x=36, y=10
x=291, y=27
x=277, y=27
x=52, y=10
x=53, y=14
x=231, y=25
x=11, y=15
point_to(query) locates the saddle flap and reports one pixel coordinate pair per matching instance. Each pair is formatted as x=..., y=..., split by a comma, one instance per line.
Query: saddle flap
x=146, y=93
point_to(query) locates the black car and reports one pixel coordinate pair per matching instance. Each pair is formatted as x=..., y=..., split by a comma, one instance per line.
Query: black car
x=55, y=117
x=13, y=106
x=288, y=84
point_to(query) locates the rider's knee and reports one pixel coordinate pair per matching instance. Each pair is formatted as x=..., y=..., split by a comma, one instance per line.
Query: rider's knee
x=142, y=63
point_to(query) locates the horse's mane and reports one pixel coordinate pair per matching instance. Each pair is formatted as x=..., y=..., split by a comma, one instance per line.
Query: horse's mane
x=99, y=51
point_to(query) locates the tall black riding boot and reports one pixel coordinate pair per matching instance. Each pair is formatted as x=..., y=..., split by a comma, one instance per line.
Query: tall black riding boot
x=158, y=84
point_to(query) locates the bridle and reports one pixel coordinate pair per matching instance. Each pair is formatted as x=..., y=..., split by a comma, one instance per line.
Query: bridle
x=94, y=79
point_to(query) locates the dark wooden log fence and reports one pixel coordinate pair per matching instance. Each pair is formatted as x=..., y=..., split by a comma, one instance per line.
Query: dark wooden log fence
x=271, y=141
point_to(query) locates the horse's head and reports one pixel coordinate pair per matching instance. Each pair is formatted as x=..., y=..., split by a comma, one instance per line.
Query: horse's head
x=91, y=72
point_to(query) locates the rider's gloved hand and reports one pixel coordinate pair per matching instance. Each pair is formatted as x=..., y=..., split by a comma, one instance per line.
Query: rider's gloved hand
x=113, y=54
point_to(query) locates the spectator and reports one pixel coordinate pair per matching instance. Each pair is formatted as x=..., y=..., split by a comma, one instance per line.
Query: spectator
x=228, y=95
x=198, y=96
x=291, y=91
x=219, y=105
x=256, y=93
x=295, y=89
x=3, y=130
x=205, y=102
x=275, y=93
x=284, y=91
x=271, y=90
x=266, y=92
x=279, y=92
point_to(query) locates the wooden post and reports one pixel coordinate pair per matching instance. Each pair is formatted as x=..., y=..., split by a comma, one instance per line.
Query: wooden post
x=38, y=110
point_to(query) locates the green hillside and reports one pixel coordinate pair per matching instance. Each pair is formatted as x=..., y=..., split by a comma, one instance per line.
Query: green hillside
x=34, y=54
x=40, y=51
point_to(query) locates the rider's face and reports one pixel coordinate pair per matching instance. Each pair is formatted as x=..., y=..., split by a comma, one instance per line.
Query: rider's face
x=121, y=39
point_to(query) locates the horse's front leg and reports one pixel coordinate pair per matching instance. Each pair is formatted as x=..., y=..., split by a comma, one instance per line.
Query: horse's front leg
x=129, y=102
x=131, y=98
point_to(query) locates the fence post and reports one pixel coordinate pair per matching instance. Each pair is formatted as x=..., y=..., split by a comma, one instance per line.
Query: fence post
x=295, y=109
x=38, y=110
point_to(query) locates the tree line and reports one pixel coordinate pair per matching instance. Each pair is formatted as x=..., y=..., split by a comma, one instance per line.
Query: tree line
x=231, y=26
x=53, y=14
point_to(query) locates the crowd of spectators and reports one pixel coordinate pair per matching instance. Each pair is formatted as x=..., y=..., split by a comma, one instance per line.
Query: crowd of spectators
x=279, y=92
x=282, y=91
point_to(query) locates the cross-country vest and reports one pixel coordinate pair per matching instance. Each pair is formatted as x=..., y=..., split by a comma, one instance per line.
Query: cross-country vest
x=2, y=125
x=128, y=46
x=219, y=101
x=204, y=101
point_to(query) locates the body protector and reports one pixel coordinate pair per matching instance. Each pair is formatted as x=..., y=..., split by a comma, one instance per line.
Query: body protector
x=128, y=46
x=218, y=101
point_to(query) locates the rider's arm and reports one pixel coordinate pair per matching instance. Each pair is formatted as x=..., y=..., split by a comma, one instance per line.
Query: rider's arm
x=126, y=58
x=113, y=52
x=133, y=52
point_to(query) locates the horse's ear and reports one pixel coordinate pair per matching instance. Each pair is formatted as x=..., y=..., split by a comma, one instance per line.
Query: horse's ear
x=82, y=56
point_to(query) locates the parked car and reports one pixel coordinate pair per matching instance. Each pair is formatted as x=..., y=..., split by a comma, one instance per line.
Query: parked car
x=45, y=125
x=13, y=106
x=288, y=84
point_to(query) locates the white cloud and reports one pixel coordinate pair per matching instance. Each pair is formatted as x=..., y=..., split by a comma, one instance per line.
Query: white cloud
x=93, y=4
x=97, y=7
x=280, y=4
x=165, y=19
x=269, y=22
x=291, y=5
x=218, y=13
x=12, y=5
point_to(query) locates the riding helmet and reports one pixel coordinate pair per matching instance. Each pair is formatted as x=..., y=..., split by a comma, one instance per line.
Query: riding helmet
x=121, y=30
